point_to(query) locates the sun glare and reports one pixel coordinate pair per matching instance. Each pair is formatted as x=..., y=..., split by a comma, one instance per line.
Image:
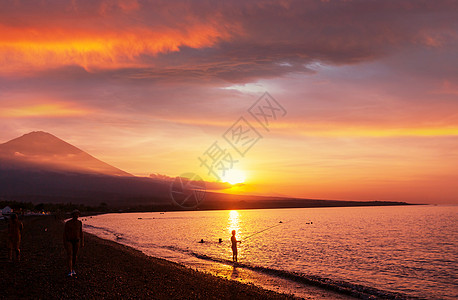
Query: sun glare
x=234, y=176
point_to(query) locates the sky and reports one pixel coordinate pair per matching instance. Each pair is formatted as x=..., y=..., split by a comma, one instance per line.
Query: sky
x=365, y=92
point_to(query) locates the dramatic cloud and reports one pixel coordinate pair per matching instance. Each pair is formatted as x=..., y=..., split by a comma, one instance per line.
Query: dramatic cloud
x=232, y=40
x=370, y=88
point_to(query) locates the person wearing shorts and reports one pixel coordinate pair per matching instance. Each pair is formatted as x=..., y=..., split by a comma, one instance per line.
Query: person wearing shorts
x=73, y=240
x=234, y=246
x=15, y=228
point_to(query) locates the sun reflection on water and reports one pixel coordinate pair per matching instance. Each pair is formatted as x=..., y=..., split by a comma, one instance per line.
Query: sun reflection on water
x=234, y=222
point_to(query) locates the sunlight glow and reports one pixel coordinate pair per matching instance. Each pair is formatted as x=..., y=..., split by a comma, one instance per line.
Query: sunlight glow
x=234, y=176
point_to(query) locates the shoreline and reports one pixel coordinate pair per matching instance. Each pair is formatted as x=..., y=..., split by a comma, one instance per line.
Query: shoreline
x=110, y=269
x=106, y=269
x=96, y=213
x=302, y=285
x=310, y=290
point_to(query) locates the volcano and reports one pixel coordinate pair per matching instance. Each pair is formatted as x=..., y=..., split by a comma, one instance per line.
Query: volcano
x=40, y=150
x=39, y=167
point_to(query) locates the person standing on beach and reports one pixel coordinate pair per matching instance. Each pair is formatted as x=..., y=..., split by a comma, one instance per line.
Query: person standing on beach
x=15, y=228
x=73, y=239
x=234, y=246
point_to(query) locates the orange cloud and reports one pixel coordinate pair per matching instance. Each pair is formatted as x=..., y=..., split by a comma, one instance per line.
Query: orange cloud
x=30, y=48
x=345, y=131
x=44, y=110
x=237, y=40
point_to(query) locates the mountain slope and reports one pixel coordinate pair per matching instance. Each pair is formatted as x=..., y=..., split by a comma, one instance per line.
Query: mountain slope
x=41, y=168
x=40, y=150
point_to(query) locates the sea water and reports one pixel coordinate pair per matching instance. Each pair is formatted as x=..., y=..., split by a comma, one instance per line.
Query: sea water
x=385, y=252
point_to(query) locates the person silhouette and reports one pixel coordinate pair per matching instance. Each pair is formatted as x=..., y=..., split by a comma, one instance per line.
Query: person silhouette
x=15, y=228
x=73, y=239
x=234, y=246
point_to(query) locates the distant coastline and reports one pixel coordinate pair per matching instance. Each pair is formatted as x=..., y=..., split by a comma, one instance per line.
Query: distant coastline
x=57, y=176
x=230, y=201
x=40, y=204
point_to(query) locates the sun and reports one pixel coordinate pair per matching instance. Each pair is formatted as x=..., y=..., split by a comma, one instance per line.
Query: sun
x=234, y=176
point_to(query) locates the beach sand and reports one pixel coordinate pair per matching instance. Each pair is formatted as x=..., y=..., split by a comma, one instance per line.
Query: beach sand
x=105, y=270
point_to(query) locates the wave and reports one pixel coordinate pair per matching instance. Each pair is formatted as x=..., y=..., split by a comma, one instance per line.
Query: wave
x=342, y=287
x=339, y=286
x=106, y=231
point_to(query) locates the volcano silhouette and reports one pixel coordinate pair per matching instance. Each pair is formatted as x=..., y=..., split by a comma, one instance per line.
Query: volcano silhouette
x=41, y=168
x=40, y=150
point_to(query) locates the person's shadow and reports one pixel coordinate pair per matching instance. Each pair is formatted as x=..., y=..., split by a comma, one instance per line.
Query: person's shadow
x=235, y=273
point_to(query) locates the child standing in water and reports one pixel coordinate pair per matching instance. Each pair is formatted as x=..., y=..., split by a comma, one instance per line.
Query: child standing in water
x=73, y=239
x=234, y=246
x=14, y=237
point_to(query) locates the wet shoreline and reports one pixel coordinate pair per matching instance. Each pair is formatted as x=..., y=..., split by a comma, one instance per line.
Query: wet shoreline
x=106, y=270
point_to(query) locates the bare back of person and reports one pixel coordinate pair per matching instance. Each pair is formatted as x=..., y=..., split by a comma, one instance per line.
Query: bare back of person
x=73, y=230
x=14, y=232
x=14, y=237
x=73, y=240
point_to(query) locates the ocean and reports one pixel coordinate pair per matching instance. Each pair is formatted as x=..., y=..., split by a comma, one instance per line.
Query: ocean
x=380, y=252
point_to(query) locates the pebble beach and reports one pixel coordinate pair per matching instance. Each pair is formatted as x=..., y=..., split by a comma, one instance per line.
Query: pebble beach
x=106, y=270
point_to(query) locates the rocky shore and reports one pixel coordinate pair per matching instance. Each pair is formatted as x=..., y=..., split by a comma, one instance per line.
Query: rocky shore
x=106, y=270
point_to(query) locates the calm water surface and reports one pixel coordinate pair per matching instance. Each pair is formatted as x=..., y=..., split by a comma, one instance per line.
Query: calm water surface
x=410, y=250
